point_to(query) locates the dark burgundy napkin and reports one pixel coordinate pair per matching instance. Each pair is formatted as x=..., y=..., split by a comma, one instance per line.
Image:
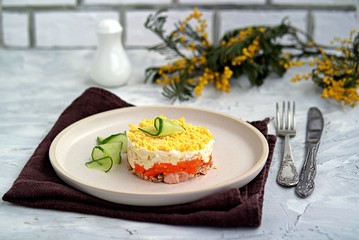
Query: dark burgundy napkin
x=38, y=185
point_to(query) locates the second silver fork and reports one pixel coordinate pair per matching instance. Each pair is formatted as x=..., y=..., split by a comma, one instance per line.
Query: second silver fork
x=287, y=175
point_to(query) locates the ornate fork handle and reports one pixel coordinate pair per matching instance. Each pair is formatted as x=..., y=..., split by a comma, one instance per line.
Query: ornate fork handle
x=306, y=182
x=288, y=175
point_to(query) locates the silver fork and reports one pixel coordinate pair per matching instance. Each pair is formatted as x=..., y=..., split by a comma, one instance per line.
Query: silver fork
x=286, y=127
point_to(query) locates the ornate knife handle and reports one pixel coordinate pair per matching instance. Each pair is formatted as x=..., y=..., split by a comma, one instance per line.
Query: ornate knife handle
x=306, y=179
x=287, y=175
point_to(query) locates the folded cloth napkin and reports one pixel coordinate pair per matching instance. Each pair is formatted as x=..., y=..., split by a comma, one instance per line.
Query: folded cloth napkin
x=38, y=185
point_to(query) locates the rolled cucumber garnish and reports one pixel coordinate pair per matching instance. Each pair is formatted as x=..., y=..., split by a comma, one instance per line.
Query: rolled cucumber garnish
x=163, y=127
x=108, y=152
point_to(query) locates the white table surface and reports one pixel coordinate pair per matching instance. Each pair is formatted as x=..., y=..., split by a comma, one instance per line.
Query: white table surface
x=37, y=85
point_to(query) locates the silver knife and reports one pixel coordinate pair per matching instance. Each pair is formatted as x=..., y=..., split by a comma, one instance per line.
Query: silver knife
x=315, y=126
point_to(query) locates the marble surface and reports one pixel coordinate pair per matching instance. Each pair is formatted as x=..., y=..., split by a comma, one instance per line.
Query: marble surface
x=37, y=85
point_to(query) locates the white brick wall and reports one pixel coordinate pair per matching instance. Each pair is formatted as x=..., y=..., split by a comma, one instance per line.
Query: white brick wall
x=140, y=36
x=127, y=2
x=236, y=19
x=55, y=29
x=332, y=24
x=72, y=23
x=15, y=29
x=37, y=2
x=214, y=2
x=316, y=2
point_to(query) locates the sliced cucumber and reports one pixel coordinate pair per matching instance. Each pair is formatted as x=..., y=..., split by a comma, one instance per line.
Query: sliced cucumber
x=119, y=137
x=162, y=127
x=97, y=153
x=109, y=147
x=103, y=164
x=112, y=150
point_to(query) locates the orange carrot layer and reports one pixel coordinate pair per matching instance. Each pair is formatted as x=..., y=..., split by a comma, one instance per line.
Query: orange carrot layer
x=190, y=166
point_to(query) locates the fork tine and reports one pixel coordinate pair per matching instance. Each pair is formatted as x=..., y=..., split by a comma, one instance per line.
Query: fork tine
x=285, y=116
x=283, y=125
x=289, y=125
x=287, y=175
x=277, y=116
x=293, y=118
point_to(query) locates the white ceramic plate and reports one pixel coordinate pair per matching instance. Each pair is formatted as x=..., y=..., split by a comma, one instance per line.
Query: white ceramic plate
x=239, y=154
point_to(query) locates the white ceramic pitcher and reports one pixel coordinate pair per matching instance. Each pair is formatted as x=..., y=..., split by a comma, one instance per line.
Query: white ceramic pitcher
x=111, y=66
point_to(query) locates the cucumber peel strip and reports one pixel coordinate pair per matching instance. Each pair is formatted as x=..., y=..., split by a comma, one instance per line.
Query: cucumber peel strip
x=163, y=127
x=112, y=150
x=115, y=138
x=108, y=152
x=103, y=164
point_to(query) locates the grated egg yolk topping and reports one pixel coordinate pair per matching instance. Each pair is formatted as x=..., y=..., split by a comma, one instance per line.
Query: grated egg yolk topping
x=193, y=138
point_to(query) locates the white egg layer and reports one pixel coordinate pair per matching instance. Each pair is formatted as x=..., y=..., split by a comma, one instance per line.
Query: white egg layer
x=147, y=159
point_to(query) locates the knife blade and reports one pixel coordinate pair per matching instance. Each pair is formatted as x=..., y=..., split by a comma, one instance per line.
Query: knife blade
x=315, y=125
